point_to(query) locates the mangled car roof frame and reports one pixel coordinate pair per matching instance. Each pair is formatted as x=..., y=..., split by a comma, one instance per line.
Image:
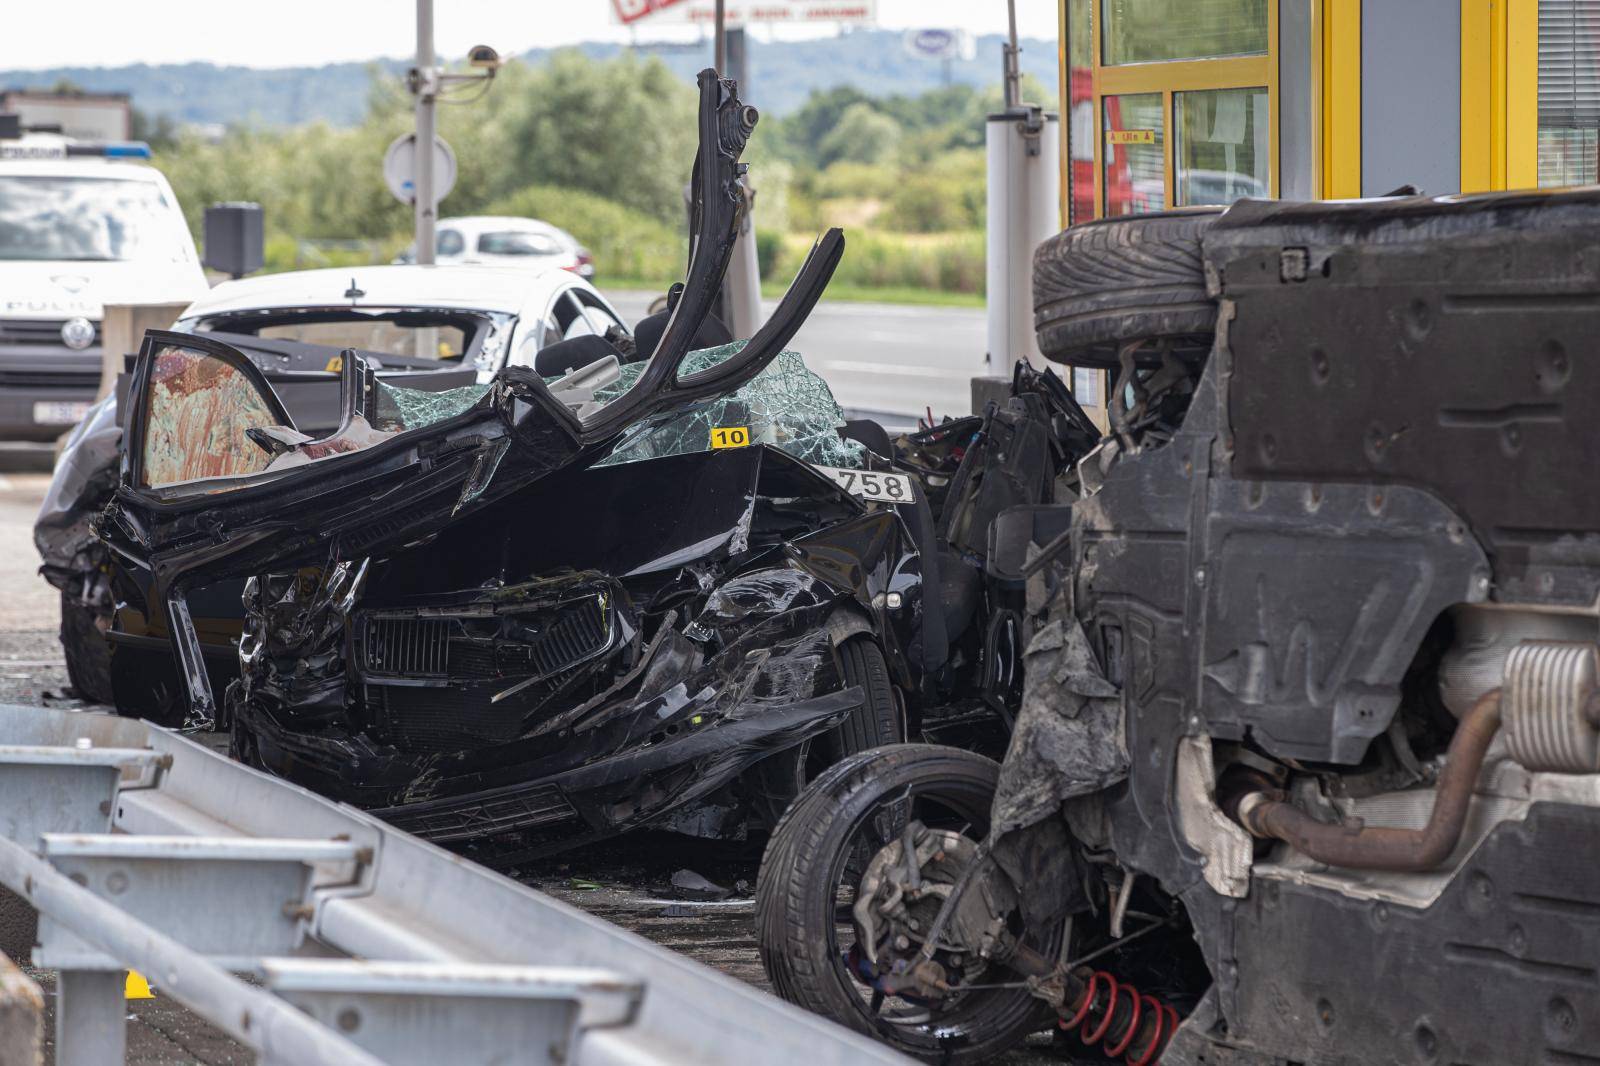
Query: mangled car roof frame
x=408, y=486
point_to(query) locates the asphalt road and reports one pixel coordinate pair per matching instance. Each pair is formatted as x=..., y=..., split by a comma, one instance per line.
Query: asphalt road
x=890, y=362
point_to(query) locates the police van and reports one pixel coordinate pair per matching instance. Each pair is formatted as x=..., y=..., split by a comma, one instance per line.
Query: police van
x=81, y=226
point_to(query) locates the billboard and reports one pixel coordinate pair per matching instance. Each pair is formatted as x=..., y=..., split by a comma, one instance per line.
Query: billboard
x=741, y=12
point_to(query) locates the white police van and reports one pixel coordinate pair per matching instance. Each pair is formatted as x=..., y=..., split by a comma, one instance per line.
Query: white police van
x=81, y=226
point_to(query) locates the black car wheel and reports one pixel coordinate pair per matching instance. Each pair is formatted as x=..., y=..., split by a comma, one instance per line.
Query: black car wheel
x=1103, y=283
x=806, y=889
x=779, y=779
x=88, y=654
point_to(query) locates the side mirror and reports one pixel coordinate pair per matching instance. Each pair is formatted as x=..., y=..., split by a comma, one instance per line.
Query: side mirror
x=235, y=240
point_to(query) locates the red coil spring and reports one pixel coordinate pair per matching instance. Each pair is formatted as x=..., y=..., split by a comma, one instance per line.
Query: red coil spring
x=1121, y=1020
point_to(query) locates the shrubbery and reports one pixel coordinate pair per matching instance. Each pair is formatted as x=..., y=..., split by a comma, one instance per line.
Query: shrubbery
x=603, y=149
x=941, y=262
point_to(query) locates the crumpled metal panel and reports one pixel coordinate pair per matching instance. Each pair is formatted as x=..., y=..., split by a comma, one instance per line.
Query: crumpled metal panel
x=83, y=478
x=1069, y=739
x=785, y=405
x=199, y=409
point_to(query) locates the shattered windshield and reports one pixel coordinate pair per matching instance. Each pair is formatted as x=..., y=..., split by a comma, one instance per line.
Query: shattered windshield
x=785, y=405
x=401, y=410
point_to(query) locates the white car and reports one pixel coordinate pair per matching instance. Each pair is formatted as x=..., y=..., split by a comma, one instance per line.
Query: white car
x=77, y=231
x=410, y=318
x=500, y=240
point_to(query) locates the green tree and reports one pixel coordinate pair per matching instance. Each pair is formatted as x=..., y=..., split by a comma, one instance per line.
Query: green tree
x=863, y=135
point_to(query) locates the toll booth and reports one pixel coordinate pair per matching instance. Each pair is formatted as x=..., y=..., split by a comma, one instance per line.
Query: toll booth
x=1173, y=102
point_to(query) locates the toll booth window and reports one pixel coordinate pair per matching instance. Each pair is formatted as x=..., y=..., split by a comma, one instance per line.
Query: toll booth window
x=1134, y=154
x=1220, y=151
x=1157, y=31
x=1079, y=125
x=1569, y=93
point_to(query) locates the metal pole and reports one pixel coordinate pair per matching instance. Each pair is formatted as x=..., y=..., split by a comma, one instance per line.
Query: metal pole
x=736, y=58
x=1013, y=76
x=425, y=86
x=720, y=50
x=91, y=1018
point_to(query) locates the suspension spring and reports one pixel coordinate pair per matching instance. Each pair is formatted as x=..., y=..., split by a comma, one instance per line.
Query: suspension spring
x=1119, y=1018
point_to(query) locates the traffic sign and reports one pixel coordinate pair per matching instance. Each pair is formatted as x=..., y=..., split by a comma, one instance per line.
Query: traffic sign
x=400, y=169
x=939, y=44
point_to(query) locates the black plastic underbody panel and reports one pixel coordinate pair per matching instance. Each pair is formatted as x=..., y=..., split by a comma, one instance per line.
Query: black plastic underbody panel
x=1503, y=968
x=1446, y=344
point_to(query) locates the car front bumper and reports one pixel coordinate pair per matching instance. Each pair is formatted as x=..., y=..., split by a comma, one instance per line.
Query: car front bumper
x=41, y=386
x=633, y=786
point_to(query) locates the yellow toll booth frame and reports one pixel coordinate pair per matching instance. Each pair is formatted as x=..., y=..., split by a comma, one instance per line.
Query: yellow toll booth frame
x=1499, y=95
x=1166, y=78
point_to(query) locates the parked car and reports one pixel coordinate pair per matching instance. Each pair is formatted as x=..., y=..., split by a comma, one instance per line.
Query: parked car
x=507, y=241
x=628, y=585
x=81, y=226
x=435, y=329
x=1305, y=768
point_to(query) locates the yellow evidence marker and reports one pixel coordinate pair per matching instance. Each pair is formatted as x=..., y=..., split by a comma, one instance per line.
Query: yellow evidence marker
x=730, y=437
x=137, y=987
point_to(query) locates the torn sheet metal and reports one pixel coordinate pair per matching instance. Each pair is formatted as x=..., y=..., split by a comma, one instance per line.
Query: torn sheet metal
x=1069, y=739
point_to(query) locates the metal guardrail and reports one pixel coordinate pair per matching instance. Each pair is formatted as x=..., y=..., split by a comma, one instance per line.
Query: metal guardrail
x=142, y=849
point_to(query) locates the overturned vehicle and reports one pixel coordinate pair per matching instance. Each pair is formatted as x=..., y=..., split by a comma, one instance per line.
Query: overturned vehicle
x=660, y=587
x=1307, y=767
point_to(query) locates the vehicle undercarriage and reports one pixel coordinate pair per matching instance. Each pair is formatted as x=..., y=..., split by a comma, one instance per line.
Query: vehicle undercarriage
x=1306, y=762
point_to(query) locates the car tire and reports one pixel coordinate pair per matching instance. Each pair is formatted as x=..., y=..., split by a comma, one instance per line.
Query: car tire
x=1101, y=284
x=86, y=649
x=780, y=778
x=796, y=901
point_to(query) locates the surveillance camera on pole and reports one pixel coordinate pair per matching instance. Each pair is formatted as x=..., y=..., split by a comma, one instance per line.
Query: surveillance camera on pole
x=427, y=83
x=484, y=58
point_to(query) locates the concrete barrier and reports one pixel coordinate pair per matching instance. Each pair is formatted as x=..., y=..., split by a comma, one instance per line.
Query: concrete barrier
x=21, y=1016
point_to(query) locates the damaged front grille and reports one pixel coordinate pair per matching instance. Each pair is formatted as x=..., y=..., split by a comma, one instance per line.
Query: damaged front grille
x=455, y=682
x=406, y=647
x=445, y=719
x=580, y=632
x=410, y=647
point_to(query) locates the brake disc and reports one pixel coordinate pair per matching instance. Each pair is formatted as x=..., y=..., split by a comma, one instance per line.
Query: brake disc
x=901, y=893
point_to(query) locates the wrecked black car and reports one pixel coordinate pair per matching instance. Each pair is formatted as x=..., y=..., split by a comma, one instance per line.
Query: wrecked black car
x=661, y=587
x=431, y=331
x=1305, y=767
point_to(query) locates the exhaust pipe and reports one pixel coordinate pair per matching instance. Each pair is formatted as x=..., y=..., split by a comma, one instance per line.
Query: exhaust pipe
x=1378, y=847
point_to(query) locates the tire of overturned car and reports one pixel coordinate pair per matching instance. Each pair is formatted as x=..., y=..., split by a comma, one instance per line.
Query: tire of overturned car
x=875, y=723
x=84, y=646
x=1100, y=284
x=798, y=910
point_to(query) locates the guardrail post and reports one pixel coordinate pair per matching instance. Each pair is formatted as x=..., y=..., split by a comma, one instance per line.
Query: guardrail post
x=91, y=1026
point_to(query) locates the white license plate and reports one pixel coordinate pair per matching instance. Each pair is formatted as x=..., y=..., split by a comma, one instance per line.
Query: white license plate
x=59, y=412
x=873, y=485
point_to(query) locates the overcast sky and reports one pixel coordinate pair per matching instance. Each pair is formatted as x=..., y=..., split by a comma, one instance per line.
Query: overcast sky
x=285, y=33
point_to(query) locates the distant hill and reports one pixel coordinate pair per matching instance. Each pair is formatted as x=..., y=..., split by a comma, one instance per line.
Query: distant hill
x=782, y=75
